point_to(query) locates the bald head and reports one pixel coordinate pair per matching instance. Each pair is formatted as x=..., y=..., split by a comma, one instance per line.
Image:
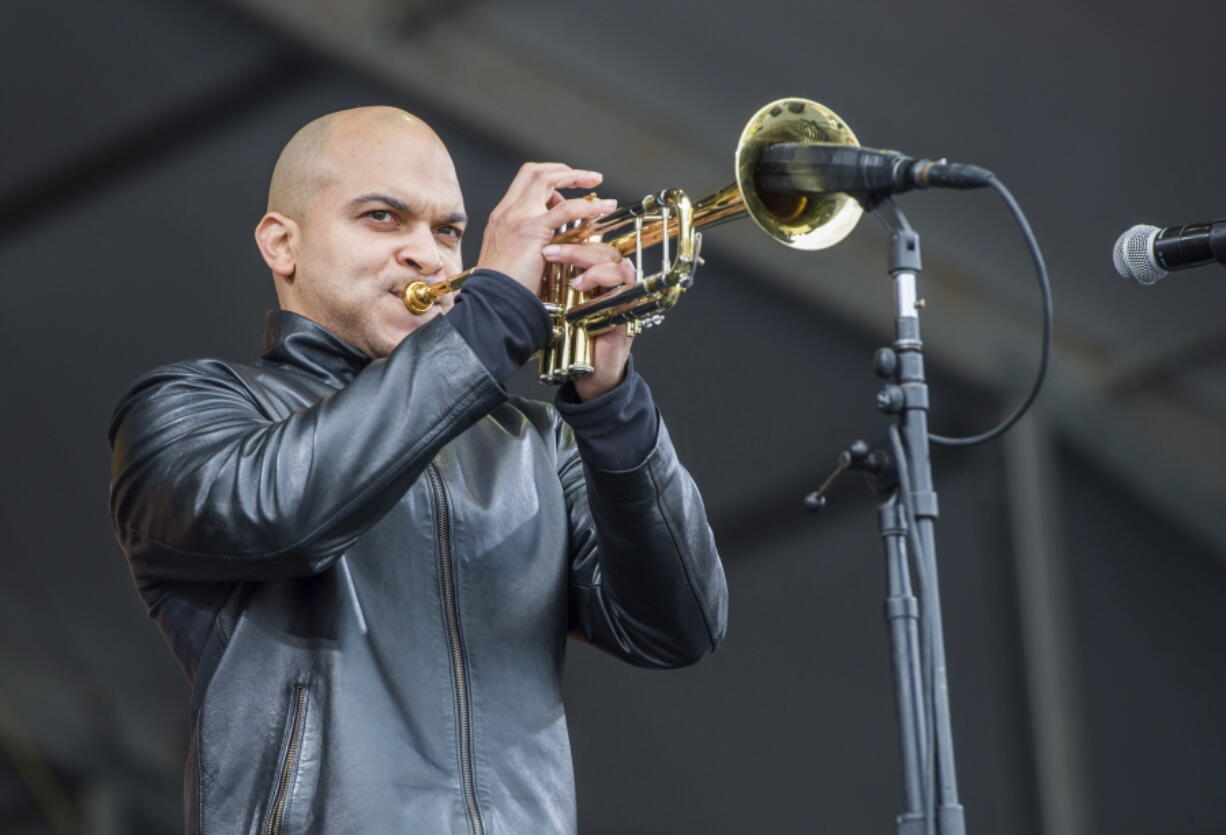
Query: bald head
x=362, y=203
x=312, y=157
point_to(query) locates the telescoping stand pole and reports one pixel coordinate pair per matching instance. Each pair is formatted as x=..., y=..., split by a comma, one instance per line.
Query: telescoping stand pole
x=902, y=616
x=907, y=396
x=902, y=474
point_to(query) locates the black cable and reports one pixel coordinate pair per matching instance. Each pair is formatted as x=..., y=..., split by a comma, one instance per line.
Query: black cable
x=1045, y=289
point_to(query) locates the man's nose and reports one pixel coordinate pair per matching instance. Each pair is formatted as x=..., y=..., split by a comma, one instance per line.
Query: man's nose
x=421, y=252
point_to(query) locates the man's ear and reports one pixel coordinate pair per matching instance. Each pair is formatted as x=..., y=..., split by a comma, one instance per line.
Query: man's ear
x=277, y=237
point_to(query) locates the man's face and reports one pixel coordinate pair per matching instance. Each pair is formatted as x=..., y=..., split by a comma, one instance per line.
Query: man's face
x=389, y=212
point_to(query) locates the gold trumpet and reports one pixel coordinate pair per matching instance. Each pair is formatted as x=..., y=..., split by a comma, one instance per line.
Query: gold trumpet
x=671, y=220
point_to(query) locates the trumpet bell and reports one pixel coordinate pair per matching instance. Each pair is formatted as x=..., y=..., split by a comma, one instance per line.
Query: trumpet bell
x=801, y=222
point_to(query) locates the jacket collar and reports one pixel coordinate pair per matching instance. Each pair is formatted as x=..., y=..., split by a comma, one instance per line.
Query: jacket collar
x=292, y=339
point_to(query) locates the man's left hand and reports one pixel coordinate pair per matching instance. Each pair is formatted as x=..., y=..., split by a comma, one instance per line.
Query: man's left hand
x=603, y=266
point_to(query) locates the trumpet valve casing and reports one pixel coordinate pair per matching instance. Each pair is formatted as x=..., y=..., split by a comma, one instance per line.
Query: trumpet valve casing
x=569, y=353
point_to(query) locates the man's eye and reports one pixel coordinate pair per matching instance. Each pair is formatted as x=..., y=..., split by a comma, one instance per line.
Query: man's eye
x=451, y=231
x=379, y=215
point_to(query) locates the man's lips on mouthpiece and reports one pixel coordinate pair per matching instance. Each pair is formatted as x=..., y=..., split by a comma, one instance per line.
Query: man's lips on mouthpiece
x=443, y=303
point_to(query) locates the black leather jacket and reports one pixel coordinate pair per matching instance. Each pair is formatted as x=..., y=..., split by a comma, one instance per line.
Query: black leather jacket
x=368, y=571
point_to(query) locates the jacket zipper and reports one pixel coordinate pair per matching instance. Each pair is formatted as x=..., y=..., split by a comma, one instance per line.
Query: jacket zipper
x=291, y=762
x=451, y=615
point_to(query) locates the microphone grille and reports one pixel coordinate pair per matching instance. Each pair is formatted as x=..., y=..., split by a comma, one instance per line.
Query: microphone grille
x=1134, y=255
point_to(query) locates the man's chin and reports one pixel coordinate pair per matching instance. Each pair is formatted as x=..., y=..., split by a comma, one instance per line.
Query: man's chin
x=394, y=333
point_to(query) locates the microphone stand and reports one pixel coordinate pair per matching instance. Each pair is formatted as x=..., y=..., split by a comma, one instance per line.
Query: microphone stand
x=900, y=471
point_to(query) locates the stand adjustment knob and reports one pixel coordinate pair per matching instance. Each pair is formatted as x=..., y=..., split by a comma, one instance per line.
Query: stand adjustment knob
x=885, y=363
x=815, y=503
x=861, y=456
x=857, y=452
x=891, y=399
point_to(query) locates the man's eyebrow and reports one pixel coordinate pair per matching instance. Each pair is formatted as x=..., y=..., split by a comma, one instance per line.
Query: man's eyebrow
x=386, y=199
x=401, y=206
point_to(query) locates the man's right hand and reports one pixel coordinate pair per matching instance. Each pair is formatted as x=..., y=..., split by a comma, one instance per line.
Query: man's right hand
x=527, y=218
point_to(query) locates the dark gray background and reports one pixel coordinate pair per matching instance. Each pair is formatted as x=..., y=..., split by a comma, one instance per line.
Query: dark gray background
x=137, y=140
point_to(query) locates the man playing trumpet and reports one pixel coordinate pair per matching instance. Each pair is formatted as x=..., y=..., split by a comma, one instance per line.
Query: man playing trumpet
x=365, y=554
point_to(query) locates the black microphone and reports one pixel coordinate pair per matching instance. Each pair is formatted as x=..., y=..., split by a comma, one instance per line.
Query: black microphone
x=868, y=175
x=1145, y=254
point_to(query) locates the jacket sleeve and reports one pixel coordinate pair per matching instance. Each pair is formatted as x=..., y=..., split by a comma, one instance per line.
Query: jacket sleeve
x=206, y=486
x=646, y=581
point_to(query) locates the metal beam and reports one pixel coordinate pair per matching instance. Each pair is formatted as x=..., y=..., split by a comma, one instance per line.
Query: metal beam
x=1046, y=628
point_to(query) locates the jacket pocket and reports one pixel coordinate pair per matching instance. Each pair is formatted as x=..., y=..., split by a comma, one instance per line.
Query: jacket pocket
x=294, y=760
